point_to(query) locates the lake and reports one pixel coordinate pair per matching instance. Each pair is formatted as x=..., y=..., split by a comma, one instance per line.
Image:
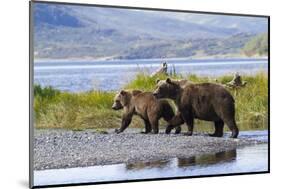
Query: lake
x=252, y=158
x=113, y=75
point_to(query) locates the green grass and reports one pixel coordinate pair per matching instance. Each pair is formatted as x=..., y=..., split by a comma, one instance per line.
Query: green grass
x=74, y=110
x=92, y=110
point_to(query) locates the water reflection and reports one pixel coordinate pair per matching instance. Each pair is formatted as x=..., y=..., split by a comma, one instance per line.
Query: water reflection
x=248, y=159
x=202, y=160
x=147, y=165
x=215, y=158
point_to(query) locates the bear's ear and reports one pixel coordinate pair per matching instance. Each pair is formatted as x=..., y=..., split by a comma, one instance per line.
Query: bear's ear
x=168, y=80
x=136, y=92
x=122, y=92
x=157, y=81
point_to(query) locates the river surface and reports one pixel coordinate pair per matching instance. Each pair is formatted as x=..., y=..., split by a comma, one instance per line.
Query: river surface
x=113, y=75
x=252, y=158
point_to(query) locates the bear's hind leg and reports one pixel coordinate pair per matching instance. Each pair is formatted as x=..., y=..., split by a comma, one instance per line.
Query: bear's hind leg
x=189, y=127
x=178, y=130
x=228, y=116
x=175, y=122
x=218, y=129
x=233, y=128
x=154, y=124
x=147, y=127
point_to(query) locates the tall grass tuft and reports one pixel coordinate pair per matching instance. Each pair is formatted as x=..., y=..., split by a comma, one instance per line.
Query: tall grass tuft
x=73, y=110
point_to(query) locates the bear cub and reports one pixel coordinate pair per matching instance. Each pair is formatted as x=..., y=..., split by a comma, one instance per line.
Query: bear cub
x=145, y=105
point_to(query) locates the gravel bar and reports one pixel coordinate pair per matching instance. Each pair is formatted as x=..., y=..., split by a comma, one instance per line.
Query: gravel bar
x=54, y=149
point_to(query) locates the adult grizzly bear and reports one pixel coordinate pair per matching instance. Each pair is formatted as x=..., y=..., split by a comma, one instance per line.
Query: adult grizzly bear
x=145, y=105
x=205, y=101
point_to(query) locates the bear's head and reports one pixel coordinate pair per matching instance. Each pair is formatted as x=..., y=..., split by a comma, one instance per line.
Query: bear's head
x=166, y=89
x=120, y=100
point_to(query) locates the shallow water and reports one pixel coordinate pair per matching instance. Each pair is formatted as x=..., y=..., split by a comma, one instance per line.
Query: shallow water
x=247, y=159
x=112, y=75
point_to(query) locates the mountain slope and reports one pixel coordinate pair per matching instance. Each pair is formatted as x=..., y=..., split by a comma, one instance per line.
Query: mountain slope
x=257, y=45
x=63, y=31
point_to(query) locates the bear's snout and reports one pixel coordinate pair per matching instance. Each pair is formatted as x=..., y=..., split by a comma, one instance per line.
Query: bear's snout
x=117, y=106
x=114, y=106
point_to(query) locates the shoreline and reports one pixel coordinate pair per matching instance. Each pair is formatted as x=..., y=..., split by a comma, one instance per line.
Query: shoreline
x=55, y=149
x=75, y=60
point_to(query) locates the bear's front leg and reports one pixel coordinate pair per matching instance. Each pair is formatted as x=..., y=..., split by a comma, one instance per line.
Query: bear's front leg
x=126, y=120
x=188, y=118
x=117, y=131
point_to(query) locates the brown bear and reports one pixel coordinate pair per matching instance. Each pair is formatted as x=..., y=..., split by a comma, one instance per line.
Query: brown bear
x=204, y=101
x=145, y=105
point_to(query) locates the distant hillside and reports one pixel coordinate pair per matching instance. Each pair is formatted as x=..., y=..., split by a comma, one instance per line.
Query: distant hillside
x=258, y=45
x=63, y=32
x=55, y=16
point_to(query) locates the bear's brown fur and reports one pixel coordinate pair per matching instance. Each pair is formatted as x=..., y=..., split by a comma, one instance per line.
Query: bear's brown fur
x=205, y=101
x=145, y=105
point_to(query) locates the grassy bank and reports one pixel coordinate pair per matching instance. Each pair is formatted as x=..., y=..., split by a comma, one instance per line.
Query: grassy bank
x=92, y=110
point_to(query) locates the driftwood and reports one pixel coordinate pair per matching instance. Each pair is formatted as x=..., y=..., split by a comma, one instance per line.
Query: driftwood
x=236, y=82
x=161, y=70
